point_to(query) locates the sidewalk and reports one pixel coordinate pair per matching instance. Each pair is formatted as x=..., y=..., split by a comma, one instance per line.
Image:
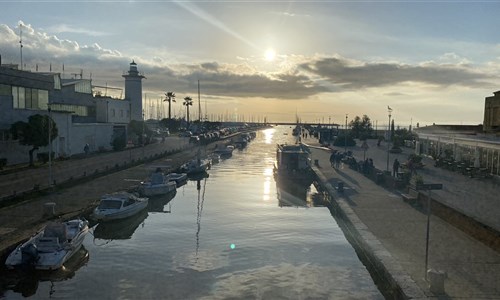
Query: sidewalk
x=473, y=269
x=475, y=197
x=17, y=183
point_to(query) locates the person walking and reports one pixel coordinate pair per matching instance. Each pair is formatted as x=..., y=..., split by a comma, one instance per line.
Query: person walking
x=395, y=168
x=332, y=159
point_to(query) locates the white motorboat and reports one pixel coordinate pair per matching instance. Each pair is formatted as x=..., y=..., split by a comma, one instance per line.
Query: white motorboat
x=214, y=158
x=178, y=178
x=224, y=151
x=157, y=185
x=195, y=166
x=50, y=248
x=119, y=206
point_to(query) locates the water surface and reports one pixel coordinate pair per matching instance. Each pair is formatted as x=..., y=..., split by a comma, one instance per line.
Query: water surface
x=233, y=235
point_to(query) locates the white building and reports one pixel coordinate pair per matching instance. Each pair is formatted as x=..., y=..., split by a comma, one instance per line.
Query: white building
x=81, y=117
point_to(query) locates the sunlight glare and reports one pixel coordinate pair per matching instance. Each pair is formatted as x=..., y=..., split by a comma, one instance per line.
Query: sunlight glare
x=270, y=54
x=268, y=135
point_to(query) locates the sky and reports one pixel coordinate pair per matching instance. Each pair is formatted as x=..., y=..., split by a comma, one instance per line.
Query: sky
x=429, y=61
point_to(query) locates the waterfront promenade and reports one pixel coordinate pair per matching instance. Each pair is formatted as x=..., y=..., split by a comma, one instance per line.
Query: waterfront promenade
x=395, y=232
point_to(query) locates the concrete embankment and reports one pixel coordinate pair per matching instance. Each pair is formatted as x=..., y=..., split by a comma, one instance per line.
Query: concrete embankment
x=389, y=276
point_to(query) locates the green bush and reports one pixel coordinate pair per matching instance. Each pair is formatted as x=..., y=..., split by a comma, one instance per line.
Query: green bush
x=43, y=157
x=341, y=140
x=119, y=143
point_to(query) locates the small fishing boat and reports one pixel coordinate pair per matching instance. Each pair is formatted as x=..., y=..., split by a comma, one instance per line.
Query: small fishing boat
x=224, y=151
x=179, y=178
x=196, y=165
x=214, y=158
x=51, y=247
x=119, y=205
x=158, y=184
x=121, y=229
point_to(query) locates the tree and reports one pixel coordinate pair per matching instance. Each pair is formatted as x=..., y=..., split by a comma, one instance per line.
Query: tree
x=400, y=135
x=119, y=143
x=35, y=133
x=140, y=129
x=361, y=127
x=188, y=101
x=170, y=98
x=172, y=125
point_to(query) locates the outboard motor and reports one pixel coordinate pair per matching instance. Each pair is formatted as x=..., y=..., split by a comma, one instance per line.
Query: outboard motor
x=29, y=255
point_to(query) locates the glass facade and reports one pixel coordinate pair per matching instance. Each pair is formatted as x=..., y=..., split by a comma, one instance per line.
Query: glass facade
x=28, y=98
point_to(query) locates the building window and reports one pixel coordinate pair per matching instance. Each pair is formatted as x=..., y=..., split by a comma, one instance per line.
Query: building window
x=121, y=113
x=18, y=97
x=128, y=113
x=112, y=112
x=28, y=98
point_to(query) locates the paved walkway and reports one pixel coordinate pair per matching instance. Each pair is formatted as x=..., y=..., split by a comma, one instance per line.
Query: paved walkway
x=25, y=180
x=475, y=197
x=473, y=269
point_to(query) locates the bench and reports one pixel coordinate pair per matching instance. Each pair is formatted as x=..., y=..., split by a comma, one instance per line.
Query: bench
x=411, y=197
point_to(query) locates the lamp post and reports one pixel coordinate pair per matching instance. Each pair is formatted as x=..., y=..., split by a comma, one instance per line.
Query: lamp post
x=389, y=110
x=345, y=135
x=50, y=144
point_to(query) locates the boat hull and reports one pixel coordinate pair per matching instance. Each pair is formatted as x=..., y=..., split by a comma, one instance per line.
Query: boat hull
x=121, y=214
x=150, y=190
x=47, y=253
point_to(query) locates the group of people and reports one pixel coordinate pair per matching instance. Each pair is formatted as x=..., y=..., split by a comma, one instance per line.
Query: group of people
x=410, y=165
x=336, y=158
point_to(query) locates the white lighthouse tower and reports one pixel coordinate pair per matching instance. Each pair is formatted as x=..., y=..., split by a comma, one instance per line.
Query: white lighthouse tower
x=133, y=91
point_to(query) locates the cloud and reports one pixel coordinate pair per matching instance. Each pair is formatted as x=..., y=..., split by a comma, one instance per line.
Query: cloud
x=64, y=28
x=295, y=76
x=348, y=74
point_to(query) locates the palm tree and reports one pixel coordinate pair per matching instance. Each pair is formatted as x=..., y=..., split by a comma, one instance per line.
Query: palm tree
x=188, y=101
x=170, y=98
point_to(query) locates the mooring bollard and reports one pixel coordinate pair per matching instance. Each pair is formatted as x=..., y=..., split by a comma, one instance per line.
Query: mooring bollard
x=316, y=163
x=340, y=187
x=436, y=281
x=49, y=209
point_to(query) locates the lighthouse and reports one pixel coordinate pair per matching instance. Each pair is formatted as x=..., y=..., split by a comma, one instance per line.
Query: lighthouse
x=133, y=91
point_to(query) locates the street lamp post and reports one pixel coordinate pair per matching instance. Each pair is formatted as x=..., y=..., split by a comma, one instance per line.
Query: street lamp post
x=50, y=145
x=388, y=135
x=345, y=134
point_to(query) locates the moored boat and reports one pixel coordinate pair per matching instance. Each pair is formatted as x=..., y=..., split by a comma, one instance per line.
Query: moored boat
x=196, y=165
x=179, y=178
x=157, y=185
x=50, y=248
x=293, y=163
x=214, y=158
x=224, y=150
x=119, y=205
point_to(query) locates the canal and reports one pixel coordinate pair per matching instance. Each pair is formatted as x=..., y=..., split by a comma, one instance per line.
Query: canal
x=233, y=235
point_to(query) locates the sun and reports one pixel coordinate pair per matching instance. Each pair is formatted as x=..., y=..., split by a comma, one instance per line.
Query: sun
x=270, y=54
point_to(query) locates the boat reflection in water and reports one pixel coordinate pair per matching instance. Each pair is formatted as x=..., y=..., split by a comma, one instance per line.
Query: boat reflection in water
x=121, y=229
x=157, y=203
x=25, y=282
x=294, y=194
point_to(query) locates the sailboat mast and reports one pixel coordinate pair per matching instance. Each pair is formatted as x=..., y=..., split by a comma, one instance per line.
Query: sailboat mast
x=199, y=102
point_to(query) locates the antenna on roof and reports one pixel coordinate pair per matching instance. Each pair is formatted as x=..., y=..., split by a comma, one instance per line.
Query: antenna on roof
x=21, y=43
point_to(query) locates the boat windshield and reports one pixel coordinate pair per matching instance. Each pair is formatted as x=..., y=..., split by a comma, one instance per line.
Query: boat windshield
x=110, y=204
